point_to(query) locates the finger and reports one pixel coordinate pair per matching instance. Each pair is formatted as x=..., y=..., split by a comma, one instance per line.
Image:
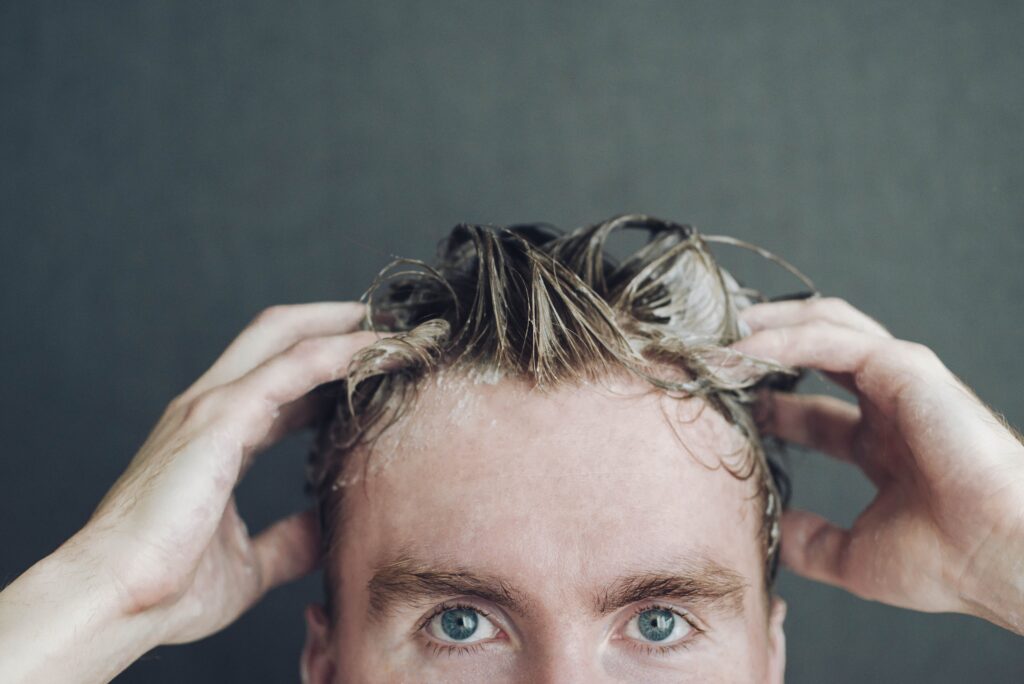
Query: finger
x=305, y=365
x=287, y=550
x=796, y=312
x=242, y=415
x=813, y=547
x=275, y=330
x=815, y=421
x=881, y=367
x=825, y=424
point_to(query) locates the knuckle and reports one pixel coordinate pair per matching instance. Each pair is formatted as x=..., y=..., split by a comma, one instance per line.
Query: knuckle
x=205, y=407
x=843, y=306
x=271, y=316
x=143, y=581
x=837, y=306
x=181, y=406
x=919, y=352
x=178, y=403
x=309, y=347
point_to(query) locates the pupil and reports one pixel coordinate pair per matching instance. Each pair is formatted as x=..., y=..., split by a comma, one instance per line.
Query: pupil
x=459, y=623
x=656, y=624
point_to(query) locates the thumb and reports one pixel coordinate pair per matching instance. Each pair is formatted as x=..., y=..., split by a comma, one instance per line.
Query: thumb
x=288, y=549
x=814, y=548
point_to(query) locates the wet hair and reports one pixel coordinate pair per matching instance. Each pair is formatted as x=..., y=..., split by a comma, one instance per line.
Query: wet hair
x=530, y=302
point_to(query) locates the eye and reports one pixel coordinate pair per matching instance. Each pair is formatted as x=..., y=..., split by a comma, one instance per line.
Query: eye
x=658, y=627
x=461, y=625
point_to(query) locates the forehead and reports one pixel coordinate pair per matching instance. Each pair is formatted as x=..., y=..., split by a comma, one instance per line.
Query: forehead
x=582, y=482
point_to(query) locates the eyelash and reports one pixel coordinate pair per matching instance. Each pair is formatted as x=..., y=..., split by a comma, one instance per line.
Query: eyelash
x=650, y=649
x=439, y=649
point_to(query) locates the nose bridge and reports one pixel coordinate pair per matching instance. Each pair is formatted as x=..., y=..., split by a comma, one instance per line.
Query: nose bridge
x=568, y=661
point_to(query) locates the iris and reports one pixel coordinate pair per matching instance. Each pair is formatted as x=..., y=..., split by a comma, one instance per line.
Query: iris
x=656, y=624
x=459, y=623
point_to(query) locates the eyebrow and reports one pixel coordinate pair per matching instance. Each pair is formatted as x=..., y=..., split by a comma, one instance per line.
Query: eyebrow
x=406, y=580
x=409, y=581
x=702, y=582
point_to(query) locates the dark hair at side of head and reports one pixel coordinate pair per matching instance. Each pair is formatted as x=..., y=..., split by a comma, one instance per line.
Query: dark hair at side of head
x=529, y=302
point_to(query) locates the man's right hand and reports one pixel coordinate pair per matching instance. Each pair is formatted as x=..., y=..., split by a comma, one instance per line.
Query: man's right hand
x=165, y=558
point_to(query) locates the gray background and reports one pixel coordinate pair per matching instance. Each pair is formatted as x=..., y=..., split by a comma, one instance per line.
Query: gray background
x=170, y=168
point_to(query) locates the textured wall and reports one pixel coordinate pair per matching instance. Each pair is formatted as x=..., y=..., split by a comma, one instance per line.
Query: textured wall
x=169, y=168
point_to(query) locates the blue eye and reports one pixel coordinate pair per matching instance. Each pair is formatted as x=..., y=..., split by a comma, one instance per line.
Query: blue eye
x=658, y=626
x=461, y=625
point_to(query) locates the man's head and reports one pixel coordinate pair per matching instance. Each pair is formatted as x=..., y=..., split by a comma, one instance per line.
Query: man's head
x=551, y=472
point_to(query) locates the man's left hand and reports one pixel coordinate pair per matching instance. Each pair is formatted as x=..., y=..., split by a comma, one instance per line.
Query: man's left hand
x=945, y=531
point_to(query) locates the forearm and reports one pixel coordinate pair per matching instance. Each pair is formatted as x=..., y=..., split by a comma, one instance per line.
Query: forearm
x=61, y=622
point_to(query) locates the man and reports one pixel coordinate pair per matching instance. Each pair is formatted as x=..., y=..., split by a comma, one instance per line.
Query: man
x=545, y=467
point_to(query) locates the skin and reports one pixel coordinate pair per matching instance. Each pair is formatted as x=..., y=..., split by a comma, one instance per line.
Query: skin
x=944, y=530
x=166, y=559
x=478, y=463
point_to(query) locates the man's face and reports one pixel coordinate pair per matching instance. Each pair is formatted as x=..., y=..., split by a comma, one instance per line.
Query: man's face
x=505, y=534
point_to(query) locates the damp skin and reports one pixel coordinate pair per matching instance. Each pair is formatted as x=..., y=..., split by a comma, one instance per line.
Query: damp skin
x=552, y=493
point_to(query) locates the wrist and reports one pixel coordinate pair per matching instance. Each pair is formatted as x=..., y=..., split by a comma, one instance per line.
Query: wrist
x=63, y=620
x=993, y=585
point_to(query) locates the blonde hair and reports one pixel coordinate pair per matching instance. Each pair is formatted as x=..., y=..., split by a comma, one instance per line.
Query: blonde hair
x=529, y=302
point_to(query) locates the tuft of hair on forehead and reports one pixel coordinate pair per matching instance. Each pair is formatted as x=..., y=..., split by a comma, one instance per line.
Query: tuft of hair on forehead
x=529, y=302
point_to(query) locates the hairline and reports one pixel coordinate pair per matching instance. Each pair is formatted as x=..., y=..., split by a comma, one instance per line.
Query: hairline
x=359, y=456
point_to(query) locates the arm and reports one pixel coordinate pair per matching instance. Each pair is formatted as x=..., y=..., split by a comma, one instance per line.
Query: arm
x=60, y=621
x=165, y=558
x=945, y=531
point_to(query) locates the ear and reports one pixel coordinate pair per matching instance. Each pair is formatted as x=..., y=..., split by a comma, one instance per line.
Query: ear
x=317, y=664
x=776, y=641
